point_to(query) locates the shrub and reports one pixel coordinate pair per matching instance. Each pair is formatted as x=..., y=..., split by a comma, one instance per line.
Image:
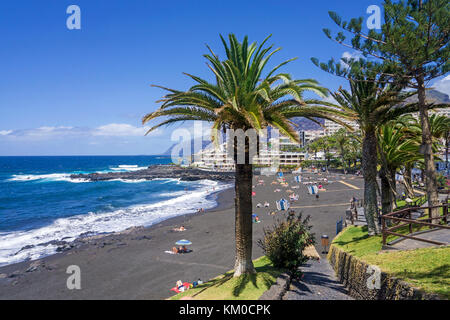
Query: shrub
x=441, y=181
x=285, y=241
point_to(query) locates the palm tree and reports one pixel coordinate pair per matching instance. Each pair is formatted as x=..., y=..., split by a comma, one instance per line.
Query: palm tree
x=371, y=103
x=440, y=129
x=353, y=148
x=242, y=97
x=340, y=140
x=314, y=147
x=397, y=146
x=325, y=143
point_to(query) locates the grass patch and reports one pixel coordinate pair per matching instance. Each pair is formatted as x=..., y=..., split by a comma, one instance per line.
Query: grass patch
x=401, y=204
x=426, y=268
x=226, y=287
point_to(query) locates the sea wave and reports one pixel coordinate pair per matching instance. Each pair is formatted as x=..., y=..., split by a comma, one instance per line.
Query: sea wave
x=30, y=245
x=46, y=177
x=126, y=168
x=66, y=176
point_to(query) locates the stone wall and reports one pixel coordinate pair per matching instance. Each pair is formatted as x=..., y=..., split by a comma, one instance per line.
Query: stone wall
x=367, y=282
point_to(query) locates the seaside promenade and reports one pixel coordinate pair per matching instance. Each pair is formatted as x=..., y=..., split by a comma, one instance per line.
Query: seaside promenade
x=134, y=265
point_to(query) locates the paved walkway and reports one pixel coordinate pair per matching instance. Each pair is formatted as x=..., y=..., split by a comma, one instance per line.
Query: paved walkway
x=319, y=282
x=440, y=235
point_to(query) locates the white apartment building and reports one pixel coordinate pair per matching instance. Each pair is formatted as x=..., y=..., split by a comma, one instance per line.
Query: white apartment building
x=216, y=158
x=332, y=127
x=311, y=135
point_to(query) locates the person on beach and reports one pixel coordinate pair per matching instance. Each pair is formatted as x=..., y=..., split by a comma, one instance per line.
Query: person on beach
x=180, y=286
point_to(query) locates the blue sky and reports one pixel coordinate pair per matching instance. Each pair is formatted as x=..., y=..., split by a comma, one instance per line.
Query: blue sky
x=83, y=92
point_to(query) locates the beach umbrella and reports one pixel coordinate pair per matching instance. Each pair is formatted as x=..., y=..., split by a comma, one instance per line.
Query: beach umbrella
x=183, y=243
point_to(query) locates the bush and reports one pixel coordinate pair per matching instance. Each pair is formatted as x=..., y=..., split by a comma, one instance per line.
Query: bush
x=284, y=243
x=441, y=181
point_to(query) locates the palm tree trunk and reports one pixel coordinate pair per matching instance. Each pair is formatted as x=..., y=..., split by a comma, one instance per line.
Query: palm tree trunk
x=426, y=150
x=369, y=167
x=407, y=181
x=243, y=219
x=447, y=140
x=386, y=193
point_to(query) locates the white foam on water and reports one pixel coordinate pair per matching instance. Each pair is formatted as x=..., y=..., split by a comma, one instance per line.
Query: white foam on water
x=125, y=168
x=68, y=229
x=46, y=177
x=66, y=176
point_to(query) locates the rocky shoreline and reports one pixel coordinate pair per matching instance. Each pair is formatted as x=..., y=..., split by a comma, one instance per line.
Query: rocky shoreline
x=158, y=172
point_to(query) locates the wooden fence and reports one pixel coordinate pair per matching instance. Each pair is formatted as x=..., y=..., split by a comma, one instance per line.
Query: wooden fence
x=401, y=218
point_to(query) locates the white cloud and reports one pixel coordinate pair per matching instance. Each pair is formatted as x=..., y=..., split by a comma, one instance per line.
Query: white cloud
x=443, y=85
x=120, y=130
x=108, y=130
x=348, y=55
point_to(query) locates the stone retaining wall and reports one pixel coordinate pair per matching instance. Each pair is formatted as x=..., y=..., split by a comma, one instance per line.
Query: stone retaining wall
x=367, y=282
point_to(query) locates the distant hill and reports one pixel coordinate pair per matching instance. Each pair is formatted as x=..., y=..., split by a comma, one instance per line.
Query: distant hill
x=205, y=143
x=433, y=96
x=306, y=124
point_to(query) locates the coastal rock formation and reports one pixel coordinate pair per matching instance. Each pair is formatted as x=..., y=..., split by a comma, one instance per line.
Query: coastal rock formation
x=158, y=172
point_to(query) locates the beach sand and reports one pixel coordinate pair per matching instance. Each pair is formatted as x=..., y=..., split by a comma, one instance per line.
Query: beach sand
x=134, y=265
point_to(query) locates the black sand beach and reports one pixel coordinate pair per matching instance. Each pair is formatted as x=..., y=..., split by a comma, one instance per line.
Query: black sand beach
x=133, y=264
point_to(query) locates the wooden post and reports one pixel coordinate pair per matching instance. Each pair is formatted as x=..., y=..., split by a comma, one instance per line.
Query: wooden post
x=410, y=224
x=383, y=229
x=445, y=212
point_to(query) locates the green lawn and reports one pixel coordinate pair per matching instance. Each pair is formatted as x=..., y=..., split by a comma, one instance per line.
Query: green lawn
x=402, y=203
x=225, y=287
x=427, y=268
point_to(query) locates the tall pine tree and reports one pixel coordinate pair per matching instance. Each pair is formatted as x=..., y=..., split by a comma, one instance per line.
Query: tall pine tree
x=413, y=45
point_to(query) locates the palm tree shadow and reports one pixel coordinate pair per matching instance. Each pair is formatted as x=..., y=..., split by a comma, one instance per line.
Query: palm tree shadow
x=214, y=283
x=266, y=274
x=439, y=273
x=343, y=243
x=242, y=282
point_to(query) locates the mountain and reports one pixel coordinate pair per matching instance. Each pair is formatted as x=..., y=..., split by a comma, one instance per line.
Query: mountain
x=433, y=96
x=204, y=144
x=306, y=124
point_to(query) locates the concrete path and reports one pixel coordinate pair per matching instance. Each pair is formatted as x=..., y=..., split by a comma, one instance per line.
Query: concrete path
x=440, y=235
x=319, y=282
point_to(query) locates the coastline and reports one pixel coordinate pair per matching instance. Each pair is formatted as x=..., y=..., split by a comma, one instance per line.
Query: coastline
x=16, y=276
x=133, y=264
x=223, y=200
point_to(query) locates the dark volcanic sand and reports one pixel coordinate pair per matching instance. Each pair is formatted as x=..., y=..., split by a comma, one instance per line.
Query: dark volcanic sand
x=133, y=264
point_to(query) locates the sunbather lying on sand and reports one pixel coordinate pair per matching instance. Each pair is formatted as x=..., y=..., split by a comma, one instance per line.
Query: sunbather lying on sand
x=179, y=250
x=180, y=229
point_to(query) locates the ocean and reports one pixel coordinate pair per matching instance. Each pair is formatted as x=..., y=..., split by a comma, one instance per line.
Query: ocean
x=39, y=202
